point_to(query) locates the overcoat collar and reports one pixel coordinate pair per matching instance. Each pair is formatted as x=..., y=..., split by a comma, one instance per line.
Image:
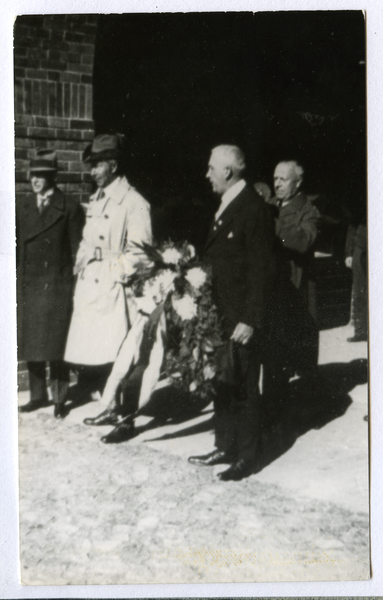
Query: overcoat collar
x=115, y=191
x=37, y=223
x=293, y=206
x=225, y=219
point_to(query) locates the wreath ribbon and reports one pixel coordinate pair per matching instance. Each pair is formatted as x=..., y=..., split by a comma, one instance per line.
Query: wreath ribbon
x=129, y=352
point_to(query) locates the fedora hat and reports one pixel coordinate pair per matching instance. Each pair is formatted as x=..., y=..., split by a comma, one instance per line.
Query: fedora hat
x=104, y=147
x=45, y=161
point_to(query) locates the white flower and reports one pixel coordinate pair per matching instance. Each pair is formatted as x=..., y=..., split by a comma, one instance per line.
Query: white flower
x=208, y=372
x=185, y=307
x=152, y=289
x=191, y=251
x=146, y=305
x=192, y=386
x=196, y=277
x=166, y=281
x=171, y=256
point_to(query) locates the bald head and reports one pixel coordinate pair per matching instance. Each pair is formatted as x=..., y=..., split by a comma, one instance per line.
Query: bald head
x=288, y=177
x=226, y=167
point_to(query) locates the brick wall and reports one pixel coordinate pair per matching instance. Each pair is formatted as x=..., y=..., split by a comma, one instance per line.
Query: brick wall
x=53, y=57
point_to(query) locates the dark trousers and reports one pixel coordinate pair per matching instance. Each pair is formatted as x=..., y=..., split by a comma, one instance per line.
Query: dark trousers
x=59, y=380
x=237, y=404
x=275, y=391
x=92, y=378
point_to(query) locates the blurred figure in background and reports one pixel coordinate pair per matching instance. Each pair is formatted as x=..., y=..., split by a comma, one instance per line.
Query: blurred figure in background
x=263, y=190
x=356, y=259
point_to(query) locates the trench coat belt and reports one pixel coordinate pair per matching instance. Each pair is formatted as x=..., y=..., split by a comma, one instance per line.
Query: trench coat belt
x=98, y=255
x=104, y=253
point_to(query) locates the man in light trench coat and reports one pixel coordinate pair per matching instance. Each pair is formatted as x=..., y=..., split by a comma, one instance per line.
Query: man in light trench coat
x=117, y=218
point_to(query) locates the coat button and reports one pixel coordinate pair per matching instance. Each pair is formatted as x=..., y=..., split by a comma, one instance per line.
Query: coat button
x=46, y=264
x=102, y=237
x=96, y=280
x=106, y=216
x=46, y=286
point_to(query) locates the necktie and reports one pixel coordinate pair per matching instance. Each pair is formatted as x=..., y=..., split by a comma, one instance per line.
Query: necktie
x=42, y=203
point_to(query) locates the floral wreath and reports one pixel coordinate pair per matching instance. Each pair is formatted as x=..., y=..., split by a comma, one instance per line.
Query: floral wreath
x=171, y=278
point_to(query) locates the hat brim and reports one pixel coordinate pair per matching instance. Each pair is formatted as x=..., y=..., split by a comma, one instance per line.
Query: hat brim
x=95, y=157
x=43, y=170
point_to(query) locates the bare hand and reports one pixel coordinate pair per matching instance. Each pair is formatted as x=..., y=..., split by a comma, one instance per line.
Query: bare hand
x=348, y=262
x=242, y=333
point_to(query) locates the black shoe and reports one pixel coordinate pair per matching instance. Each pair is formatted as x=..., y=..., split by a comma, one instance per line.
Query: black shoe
x=122, y=433
x=33, y=405
x=217, y=457
x=59, y=411
x=357, y=338
x=107, y=417
x=238, y=470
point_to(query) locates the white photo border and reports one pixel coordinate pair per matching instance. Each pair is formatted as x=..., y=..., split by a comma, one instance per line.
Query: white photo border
x=9, y=550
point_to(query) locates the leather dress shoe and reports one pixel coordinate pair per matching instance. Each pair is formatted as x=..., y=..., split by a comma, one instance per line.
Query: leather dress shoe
x=107, y=417
x=33, y=405
x=357, y=338
x=58, y=411
x=238, y=470
x=217, y=457
x=122, y=433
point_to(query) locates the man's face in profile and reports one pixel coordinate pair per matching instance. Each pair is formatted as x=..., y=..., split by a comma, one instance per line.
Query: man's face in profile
x=286, y=181
x=217, y=173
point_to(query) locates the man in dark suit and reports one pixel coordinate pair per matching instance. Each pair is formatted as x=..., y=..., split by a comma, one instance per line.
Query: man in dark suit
x=240, y=250
x=49, y=228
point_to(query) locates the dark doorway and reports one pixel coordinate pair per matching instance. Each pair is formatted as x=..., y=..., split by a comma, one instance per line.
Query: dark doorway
x=277, y=83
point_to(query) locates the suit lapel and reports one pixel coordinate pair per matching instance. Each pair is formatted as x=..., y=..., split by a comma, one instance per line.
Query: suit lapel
x=37, y=223
x=226, y=218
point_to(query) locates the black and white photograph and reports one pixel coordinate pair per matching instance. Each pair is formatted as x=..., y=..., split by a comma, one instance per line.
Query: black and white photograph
x=191, y=209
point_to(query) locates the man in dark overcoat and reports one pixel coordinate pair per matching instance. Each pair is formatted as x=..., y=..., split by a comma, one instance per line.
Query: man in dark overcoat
x=49, y=227
x=240, y=250
x=294, y=343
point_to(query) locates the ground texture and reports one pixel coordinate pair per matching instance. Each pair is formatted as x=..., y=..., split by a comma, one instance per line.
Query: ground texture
x=137, y=512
